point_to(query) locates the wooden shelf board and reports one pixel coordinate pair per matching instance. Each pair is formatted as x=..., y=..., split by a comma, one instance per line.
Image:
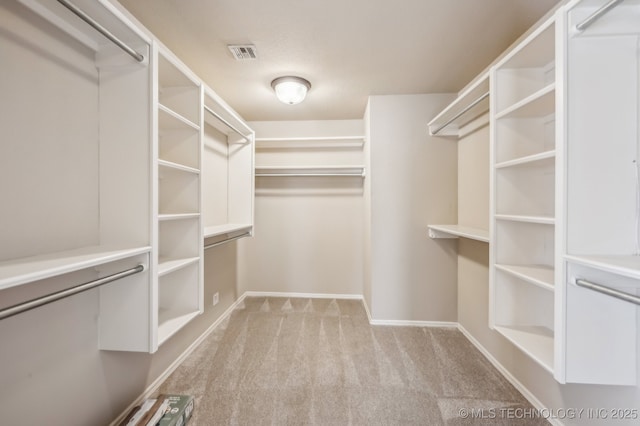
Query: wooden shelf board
x=540, y=275
x=168, y=265
x=628, y=266
x=541, y=159
x=170, y=322
x=215, y=230
x=544, y=220
x=538, y=104
x=535, y=341
x=455, y=231
x=177, y=216
x=25, y=270
x=179, y=167
x=169, y=119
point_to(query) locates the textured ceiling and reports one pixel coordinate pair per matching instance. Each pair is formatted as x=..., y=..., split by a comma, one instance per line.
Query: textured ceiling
x=347, y=49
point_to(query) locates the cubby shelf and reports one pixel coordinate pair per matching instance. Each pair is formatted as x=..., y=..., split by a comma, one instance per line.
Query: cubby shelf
x=539, y=104
x=171, y=321
x=179, y=167
x=543, y=220
x=171, y=120
x=168, y=265
x=543, y=159
x=540, y=275
x=537, y=342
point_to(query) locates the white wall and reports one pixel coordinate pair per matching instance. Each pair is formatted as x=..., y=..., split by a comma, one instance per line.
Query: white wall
x=412, y=183
x=308, y=230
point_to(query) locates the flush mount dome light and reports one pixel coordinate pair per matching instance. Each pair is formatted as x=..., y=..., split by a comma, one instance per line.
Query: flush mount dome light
x=291, y=90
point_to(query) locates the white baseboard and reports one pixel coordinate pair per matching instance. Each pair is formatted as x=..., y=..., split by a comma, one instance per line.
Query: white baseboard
x=507, y=375
x=403, y=323
x=372, y=321
x=302, y=295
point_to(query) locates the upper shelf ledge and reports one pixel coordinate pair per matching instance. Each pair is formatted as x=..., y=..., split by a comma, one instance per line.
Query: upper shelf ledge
x=468, y=105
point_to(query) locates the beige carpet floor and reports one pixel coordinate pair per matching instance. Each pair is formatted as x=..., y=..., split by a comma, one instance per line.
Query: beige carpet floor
x=295, y=361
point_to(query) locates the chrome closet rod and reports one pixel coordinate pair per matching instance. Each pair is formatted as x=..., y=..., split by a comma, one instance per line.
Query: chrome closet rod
x=219, y=243
x=225, y=122
x=608, y=291
x=309, y=174
x=597, y=14
x=44, y=300
x=102, y=30
x=461, y=113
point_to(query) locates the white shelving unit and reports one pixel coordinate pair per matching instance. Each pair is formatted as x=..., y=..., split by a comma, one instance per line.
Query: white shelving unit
x=178, y=268
x=228, y=179
x=600, y=239
x=523, y=206
x=78, y=144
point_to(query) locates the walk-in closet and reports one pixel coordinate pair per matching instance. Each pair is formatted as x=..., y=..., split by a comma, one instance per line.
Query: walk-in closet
x=319, y=214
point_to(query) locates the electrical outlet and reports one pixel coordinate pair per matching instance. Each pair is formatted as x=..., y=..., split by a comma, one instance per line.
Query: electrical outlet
x=216, y=298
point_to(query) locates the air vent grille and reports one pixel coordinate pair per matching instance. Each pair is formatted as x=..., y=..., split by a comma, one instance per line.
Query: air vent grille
x=243, y=52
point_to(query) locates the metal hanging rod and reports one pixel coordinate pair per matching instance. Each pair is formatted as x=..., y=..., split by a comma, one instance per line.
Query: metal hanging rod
x=44, y=300
x=310, y=174
x=226, y=123
x=102, y=30
x=219, y=243
x=608, y=291
x=461, y=113
x=597, y=15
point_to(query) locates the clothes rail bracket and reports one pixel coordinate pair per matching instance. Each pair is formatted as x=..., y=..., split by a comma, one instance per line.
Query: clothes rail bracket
x=632, y=298
x=102, y=30
x=44, y=300
x=597, y=15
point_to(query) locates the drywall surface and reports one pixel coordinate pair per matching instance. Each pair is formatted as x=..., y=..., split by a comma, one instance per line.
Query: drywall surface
x=413, y=182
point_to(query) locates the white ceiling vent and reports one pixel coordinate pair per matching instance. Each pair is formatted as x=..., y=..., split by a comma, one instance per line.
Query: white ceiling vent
x=243, y=52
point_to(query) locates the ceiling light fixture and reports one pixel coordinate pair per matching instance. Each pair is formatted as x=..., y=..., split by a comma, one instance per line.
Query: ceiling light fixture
x=291, y=90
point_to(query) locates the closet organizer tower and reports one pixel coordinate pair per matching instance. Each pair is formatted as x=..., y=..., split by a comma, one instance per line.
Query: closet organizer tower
x=564, y=264
x=111, y=180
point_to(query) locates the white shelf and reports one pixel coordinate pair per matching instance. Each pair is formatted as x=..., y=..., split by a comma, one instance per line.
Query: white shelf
x=213, y=231
x=310, y=171
x=166, y=266
x=310, y=142
x=539, y=104
x=24, y=270
x=455, y=231
x=542, y=159
x=535, y=341
x=540, y=275
x=178, y=216
x=455, y=112
x=175, y=166
x=171, y=120
x=628, y=266
x=544, y=220
x=170, y=322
